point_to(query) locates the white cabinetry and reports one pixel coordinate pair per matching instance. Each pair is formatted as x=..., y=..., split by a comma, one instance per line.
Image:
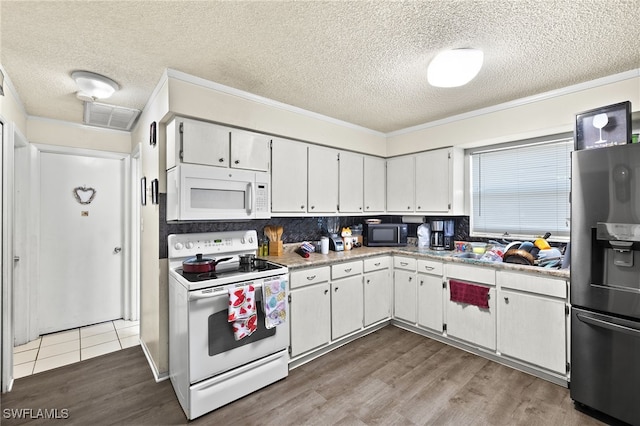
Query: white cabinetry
x=377, y=290
x=468, y=322
x=430, y=295
x=249, y=150
x=351, y=182
x=322, y=180
x=374, y=184
x=404, y=288
x=200, y=142
x=532, y=319
x=401, y=184
x=430, y=182
x=288, y=176
x=310, y=309
x=346, y=298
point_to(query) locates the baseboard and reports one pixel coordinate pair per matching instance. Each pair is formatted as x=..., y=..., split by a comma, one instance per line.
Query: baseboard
x=154, y=369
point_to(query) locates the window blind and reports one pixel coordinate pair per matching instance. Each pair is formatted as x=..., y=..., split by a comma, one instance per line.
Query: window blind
x=522, y=190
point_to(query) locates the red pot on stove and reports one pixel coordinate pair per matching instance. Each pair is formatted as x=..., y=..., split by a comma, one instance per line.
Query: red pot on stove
x=199, y=264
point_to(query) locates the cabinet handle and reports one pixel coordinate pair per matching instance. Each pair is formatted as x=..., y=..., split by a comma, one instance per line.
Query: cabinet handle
x=368, y=207
x=312, y=277
x=302, y=207
x=404, y=263
x=429, y=268
x=376, y=264
x=335, y=289
x=419, y=207
x=237, y=162
x=408, y=207
x=410, y=279
x=421, y=282
x=506, y=300
x=360, y=208
x=348, y=270
x=326, y=291
x=220, y=160
x=368, y=281
x=313, y=207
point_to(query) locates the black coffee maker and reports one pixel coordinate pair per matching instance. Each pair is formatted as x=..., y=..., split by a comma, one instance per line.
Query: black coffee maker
x=449, y=231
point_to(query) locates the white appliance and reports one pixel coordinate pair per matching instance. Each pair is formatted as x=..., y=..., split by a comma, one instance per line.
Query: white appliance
x=208, y=368
x=197, y=192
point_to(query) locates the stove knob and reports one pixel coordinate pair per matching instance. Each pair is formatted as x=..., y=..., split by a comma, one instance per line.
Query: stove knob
x=189, y=245
x=241, y=240
x=178, y=246
x=250, y=240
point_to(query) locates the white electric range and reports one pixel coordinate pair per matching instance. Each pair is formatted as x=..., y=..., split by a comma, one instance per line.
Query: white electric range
x=207, y=366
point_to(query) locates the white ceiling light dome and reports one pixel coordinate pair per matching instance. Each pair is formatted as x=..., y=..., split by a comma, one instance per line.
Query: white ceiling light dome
x=94, y=86
x=455, y=67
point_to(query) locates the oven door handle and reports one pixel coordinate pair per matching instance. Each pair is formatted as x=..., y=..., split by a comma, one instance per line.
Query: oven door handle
x=608, y=325
x=200, y=296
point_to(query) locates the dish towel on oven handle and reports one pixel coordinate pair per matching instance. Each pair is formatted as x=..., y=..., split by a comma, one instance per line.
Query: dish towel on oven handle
x=468, y=293
x=274, y=301
x=242, y=311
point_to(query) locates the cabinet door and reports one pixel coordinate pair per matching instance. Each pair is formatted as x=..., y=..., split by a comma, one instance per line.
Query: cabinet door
x=471, y=323
x=205, y=143
x=375, y=180
x=404, y=292
x=433, y=191
x=430, y=302
x=288, y=176
x=533, y=328
x=346, y=306
x=351, y=185
x=400, y=184
x=249, y=150
x=310, y=322
x=323, y=180
x=377, y=296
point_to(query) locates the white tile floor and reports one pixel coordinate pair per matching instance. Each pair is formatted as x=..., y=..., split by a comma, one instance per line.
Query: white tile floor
x=66, y=347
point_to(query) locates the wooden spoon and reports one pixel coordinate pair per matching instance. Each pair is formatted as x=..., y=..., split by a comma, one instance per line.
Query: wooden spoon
x=279, y=231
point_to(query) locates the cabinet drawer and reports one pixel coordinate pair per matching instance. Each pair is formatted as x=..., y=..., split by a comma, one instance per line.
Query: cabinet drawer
x=404, y=263
x=346, y=269
x=472, y=274
x=376, y=263
x=546, y=286
x=309, y=276
x=430, y=267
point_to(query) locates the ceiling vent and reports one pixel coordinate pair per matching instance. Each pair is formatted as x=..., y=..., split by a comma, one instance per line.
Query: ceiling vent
x=109, y=116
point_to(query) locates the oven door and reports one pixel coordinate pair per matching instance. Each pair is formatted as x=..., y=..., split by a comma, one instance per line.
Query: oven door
x=212, y=345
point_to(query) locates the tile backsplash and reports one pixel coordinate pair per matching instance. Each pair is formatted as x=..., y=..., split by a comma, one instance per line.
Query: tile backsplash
x=296, y=229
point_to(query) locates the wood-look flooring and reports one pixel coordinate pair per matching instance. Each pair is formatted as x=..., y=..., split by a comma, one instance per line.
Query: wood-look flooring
x=390, y=377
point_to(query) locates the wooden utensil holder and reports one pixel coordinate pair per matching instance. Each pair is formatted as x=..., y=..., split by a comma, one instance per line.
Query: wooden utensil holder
x=275, y=248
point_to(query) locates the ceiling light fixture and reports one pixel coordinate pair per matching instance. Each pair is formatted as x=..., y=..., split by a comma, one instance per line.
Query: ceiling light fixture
x=93, y=86
x=455, y=67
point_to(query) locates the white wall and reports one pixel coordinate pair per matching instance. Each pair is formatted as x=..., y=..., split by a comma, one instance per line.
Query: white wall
x=552, y=114
x=61, y=133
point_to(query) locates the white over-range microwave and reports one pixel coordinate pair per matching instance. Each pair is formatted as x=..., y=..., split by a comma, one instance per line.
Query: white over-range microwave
x=196, y=192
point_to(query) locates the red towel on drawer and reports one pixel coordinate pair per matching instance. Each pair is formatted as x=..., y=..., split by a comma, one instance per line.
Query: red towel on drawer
x=468, y=293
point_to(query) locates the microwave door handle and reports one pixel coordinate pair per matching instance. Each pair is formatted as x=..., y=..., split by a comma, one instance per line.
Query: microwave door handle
x=250, y=198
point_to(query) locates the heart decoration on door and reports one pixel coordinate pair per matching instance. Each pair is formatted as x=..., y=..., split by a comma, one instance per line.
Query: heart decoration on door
x=84, y=195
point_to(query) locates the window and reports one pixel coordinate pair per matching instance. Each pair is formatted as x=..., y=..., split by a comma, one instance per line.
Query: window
x=522, y=189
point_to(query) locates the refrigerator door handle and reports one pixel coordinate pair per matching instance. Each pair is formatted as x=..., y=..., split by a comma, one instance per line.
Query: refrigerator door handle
x=608, y=325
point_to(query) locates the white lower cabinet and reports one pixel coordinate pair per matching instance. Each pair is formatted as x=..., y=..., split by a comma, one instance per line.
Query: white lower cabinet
x=430, y=295
x=466, y=321
x=310, y=318
x=404, y=289
x=532, y=320
x=346, y=306
x=377, y=290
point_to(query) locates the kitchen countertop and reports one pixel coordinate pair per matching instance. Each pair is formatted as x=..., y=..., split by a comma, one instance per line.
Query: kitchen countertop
x=294, y=261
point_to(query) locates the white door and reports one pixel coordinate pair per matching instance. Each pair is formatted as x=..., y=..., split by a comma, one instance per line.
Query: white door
x=81, y=260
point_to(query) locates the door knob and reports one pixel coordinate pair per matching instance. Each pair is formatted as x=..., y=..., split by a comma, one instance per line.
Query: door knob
x=117, y=250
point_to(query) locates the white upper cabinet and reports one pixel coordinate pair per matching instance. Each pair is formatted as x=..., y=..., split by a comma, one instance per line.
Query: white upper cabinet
x=288, y=176
x=322, y=180
x=249, y=150
x=401, y=184
x=374, y=184
x=432, y=181
x=351, y=182
x=197, y=142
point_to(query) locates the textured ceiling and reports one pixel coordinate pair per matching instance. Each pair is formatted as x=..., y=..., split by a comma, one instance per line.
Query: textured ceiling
x=361, y=62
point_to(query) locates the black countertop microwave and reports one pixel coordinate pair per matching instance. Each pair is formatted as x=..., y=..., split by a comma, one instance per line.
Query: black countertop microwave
x=385, y=234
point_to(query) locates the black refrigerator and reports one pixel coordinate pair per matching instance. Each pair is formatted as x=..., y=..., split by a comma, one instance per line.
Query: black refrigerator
x=605, y=280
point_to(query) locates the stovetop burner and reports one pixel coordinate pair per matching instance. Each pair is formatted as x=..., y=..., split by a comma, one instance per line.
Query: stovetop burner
x=205, y=276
